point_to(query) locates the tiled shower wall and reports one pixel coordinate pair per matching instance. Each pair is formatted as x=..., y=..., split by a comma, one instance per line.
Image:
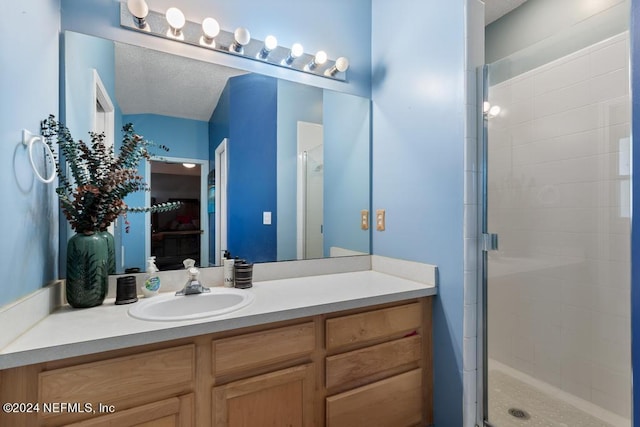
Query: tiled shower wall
x=559, y=287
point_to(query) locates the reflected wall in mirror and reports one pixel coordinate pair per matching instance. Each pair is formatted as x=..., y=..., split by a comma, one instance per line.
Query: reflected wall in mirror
x=295, y=171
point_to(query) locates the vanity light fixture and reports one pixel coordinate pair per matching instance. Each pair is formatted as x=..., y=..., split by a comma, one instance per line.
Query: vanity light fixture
x=176, y=21
x=189, y=165
x=490, y=111
x=341, y=66
x=208, y=34
x=319, y=59
x=241, y=38
x=139, y=9
x=296, y=51
x=270, y=43
x=210, y=29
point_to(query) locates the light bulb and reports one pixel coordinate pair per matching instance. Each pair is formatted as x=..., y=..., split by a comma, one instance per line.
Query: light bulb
x=297, y=50
x=319, y=59
x=176, y=21
x=241, y=37
x=270, y=43
x=210, y=29
x=139, y=9
x=342, y=64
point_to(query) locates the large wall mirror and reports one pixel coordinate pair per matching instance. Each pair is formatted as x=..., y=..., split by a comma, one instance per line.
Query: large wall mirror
x=266, y=169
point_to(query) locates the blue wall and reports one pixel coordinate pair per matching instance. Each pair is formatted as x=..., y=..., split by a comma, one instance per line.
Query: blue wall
x=296, y=102
x=29, y=88
x=418, y=121
x=251, y=188
x=346, y=173
x=185, y=138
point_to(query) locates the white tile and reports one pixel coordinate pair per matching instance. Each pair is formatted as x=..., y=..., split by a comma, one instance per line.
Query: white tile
x=471, y=254
x=522, y=89
x=470, y=287
x=469, y=414
x=469, y=355
x=471, y=188
x=563, y=99
x=609, y=86
x=518, y=112
x=471, y=121
x=469, y=382
x=561, y=75
x=566, y=122
x=612, y=57
x=470, y=321
x=470, y=221
x=471, y=154
x=614, y=404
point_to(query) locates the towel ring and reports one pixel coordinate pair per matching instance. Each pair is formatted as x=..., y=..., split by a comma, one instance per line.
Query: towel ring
x=29, y=140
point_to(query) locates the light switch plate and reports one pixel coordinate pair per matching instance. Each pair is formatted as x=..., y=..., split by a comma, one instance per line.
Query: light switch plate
x=364, y=219
x=266, y=218
x=380, y=219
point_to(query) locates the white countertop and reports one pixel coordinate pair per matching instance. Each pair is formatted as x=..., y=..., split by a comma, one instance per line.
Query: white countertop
x=69, y=332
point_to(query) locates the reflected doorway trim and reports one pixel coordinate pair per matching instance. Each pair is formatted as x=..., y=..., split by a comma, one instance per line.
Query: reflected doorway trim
x=204, y=225
x=222, y=171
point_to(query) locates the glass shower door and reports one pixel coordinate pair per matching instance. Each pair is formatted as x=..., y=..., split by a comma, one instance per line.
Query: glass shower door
x=557, y=325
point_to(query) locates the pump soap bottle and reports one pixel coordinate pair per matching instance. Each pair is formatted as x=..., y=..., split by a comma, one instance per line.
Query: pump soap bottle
x=151, y=285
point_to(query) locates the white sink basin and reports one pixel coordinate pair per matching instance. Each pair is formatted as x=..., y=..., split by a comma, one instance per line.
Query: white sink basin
x=169, y=307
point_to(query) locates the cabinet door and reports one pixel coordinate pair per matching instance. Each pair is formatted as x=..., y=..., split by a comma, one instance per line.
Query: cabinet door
x=393, y=402
x=281, y=398
x=173, y=412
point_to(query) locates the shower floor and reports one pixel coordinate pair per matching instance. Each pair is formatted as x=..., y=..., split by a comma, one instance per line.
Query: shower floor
x=543, y=409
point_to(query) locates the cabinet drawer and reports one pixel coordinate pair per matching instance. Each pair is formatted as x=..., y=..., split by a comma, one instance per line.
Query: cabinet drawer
x=394, y=402
x=124, y=379
x=262, y=348
x=359, y=364
x=172, y=412
x=372, y=325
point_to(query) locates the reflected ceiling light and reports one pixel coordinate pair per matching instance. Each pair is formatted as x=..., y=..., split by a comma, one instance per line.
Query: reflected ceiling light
x=494, y=111
x=210, y=29
x=241, y=38
x=139, y=9
x=176, y=21
x=270, y=43
x=319, y=59
x=296, y=51
x=341, y=66
x=189, y=165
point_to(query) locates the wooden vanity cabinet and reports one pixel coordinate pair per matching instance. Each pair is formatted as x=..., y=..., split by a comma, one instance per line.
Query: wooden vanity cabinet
x=369, y=366
x=378, y=367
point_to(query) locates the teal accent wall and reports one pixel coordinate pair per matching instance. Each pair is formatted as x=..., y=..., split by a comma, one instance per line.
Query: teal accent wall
x=29, y=87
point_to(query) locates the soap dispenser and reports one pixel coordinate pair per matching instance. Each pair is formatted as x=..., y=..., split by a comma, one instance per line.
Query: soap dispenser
x=151, y=285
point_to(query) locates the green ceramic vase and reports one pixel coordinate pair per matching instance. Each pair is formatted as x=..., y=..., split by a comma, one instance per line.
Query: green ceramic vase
x=111, y=251
x=87, y=270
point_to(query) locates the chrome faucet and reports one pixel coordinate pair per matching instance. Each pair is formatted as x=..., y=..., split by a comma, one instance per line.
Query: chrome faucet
x=193, y=285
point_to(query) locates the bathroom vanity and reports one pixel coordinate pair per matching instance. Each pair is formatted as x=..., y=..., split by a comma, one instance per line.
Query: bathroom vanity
x=360, y=354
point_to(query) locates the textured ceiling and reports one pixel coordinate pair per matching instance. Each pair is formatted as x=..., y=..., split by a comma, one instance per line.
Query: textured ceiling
x=494, y=9
x=153, y=82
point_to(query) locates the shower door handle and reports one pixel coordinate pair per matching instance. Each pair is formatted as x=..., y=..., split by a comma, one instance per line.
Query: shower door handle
x=489, y=242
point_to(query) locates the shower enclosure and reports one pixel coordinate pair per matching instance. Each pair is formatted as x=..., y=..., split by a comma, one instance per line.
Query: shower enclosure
x=557, y=186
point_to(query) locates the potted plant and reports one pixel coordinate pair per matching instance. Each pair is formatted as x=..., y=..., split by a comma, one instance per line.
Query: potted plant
x=92, y=198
